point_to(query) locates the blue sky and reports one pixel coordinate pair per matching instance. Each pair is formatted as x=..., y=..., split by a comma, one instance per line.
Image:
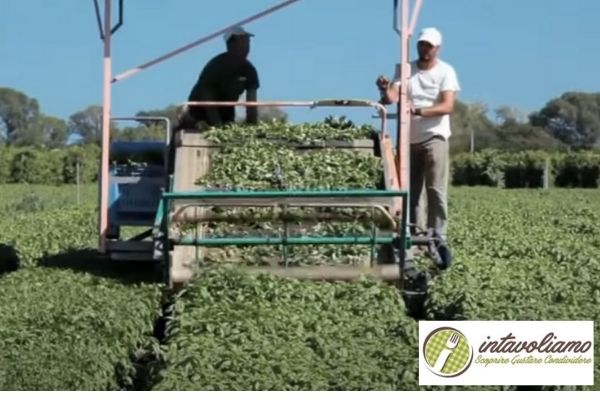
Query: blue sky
x=506, y=52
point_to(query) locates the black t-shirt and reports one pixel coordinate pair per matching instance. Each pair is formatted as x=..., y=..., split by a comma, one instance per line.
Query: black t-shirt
x=226, y=82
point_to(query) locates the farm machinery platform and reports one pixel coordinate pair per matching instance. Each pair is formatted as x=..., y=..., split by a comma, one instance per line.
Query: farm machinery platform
x=163, y=194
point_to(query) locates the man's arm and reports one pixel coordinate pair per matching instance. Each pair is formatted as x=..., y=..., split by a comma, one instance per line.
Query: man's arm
x=251, y=111
x=448, y=89
x=444, y=107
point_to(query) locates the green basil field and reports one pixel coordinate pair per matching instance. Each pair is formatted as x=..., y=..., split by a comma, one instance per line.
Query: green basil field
x=71, y=321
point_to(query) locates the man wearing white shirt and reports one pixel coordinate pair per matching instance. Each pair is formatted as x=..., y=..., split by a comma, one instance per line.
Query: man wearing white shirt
x=432, y=89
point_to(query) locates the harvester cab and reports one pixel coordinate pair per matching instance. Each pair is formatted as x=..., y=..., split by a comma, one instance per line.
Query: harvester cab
x=136, y=183
x=137, y=178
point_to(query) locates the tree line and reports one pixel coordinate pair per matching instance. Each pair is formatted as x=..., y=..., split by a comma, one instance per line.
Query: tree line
x=22, y=123
x=571, y=121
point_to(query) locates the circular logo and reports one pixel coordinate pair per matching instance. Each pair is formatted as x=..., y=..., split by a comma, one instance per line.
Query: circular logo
x=447, y=352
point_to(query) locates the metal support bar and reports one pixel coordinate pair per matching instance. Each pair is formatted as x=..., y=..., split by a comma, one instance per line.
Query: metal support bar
x=424, y=240
x=160, y=213
x=414, y=17
x=286, y=234
x=277, y=103
x=395, y=23
x=374, y=235
x=120, y=23
x=180, y=216
x=141, y=236
x=283, y=194
x=287, y=103
x=397, y=240
x=140, y=68
x=344, y=103
x=404, y=244
x=381, y=110
x=389, y=116
x=165, y=224
x=99, y=19
x=349, y=202
x=106, y=111
x=403, y=125
x=403, y=117
x=292, y=241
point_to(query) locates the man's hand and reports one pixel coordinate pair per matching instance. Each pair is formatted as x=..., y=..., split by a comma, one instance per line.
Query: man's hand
x=444, y=107
x=382, y=82
x=416, y=111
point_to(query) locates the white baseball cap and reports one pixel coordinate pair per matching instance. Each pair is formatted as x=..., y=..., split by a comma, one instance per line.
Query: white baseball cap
x=236, y=31
x=432, y=36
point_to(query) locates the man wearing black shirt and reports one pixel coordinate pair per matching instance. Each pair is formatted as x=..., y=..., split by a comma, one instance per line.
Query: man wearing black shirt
x=225, y=78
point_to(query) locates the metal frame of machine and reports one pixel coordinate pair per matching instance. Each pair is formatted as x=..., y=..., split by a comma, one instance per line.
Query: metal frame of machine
x=396, y=166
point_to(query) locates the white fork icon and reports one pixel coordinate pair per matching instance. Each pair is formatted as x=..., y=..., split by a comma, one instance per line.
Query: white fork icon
x=451, y=344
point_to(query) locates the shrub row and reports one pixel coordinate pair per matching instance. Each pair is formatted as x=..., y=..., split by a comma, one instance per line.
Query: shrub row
x=66, y=330
x=485, y=168
x=50, y=167
x=526, y=169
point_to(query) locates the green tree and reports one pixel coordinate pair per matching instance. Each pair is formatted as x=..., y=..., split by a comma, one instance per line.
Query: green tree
x=87, y=123
x=573, y=118
x=506, y=114
x=45, y=131
x=470, y=119
x=18, y=113
x=171, y=112
x=142, y=132
x=512, y=135
x=511, y=131
x=54, y=131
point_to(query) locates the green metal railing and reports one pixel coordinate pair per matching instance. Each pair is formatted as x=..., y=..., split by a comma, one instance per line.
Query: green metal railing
x=211, y=198
x=247, y=194
x=278, y=240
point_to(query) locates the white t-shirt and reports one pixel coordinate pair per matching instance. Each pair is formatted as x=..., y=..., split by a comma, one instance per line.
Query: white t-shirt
x=424, y=90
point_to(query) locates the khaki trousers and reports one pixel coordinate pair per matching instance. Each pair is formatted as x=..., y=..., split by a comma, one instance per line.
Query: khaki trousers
x=429, y=169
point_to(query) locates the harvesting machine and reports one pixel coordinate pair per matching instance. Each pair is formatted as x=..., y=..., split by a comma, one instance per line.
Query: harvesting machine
x=162, y=193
